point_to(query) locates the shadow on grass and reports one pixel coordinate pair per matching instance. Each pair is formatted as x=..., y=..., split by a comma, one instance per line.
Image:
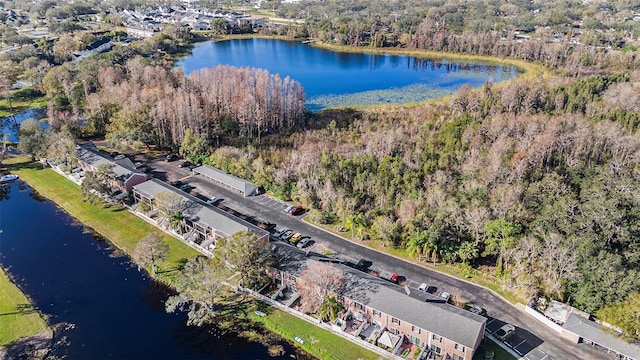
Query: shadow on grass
x=21, y=309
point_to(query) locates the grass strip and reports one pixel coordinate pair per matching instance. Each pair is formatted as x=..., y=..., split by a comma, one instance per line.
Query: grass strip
x=18, y=317
x=317, y=341
x=116, y=224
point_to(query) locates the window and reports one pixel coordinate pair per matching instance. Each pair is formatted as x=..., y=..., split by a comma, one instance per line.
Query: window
x=414, y=340
x=437, y=338
x=457, y=357
x=358, y=306
x=415, y=329
x=436, y=349
x=394, y=331
x=376, y=312
x=395, y=321
x=459, y=347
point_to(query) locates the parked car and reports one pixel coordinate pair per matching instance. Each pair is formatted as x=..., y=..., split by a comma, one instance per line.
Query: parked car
x=505, y=332
x=137, y=165
x=184, y=164
x=304, y=242
x=427, y=288
x=286, y=235
x=185, y=187
x=171, y=157
x=295, y=238
x=212, y=200
x=393, y=278
x=288, y=208
x=478, y=310
x=296, y=210
x=119, y=157
x=362, y=265
x=445, y=295
x=278, y=233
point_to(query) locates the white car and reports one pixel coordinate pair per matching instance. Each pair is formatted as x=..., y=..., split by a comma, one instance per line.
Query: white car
x=445, y=295
x=505, y=332
x=212, y=200
x=423, y=287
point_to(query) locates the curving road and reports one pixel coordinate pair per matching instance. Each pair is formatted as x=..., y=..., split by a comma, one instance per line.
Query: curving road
x=533, y=340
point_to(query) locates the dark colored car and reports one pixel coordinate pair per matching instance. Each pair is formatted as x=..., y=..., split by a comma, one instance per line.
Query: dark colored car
x=172, y=157
x=296, y=210
x=185, y=164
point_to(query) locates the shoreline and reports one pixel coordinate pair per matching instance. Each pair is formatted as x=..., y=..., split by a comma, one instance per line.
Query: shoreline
x=23, y=168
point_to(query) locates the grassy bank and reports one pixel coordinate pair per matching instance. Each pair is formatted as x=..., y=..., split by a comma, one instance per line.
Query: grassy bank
x=119, y=226
x=318, y=342
x=21, y=100
x=124, y=230
x=18, y=318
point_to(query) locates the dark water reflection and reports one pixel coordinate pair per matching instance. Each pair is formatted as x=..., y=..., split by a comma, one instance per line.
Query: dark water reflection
x=115, y=311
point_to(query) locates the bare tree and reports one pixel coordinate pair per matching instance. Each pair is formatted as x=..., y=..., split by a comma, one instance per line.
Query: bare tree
x=316, y=283
x=169, y=204
x=149, y=251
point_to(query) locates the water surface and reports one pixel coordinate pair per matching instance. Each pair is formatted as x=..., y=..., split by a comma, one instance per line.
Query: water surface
x=332, y=79
x=115, y=312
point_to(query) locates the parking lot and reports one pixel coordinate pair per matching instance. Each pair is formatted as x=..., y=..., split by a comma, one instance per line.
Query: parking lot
x=263, y=208
x=522, y=343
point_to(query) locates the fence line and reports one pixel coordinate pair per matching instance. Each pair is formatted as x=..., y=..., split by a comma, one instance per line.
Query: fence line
x=320, y=324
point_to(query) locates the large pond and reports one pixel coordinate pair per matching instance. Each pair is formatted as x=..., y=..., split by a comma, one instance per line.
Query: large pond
x=113, y=311
x=332, y=79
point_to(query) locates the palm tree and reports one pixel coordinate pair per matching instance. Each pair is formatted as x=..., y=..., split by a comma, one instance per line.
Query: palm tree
x=329, y=308
x=416, y=244
x=176, y=221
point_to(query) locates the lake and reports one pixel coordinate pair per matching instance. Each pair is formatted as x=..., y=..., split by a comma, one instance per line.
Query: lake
x=115, y=311
x=10, y=125
x=334, y=79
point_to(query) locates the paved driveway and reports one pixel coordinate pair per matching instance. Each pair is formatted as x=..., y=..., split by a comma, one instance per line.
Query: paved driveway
x=532, y=339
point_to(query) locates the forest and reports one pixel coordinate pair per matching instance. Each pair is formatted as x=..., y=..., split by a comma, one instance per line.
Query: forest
x=534, y=182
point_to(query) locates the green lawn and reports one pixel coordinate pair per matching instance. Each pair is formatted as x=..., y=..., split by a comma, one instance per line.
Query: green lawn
x=18, y=318
x=117, y=225
x=21, y=100
x=317, y=341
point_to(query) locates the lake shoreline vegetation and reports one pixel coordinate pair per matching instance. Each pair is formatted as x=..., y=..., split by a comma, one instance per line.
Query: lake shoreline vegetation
x=530, y=182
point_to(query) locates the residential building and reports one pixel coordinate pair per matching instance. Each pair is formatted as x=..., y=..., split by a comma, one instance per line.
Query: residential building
x=389, y=315
x=123, y=173
x=201, y=225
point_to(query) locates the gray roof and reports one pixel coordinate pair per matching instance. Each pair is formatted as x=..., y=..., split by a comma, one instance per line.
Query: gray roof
x=88, y=155
x=437, y=317
x=197, y=212
x=590, y=330
x=234, y=182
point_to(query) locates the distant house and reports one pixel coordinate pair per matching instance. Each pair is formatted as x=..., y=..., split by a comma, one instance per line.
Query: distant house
x=382, y=313
x=125, y=176
x=140, y=32
x=219, y=177
x=96, y=47
x=203, y=225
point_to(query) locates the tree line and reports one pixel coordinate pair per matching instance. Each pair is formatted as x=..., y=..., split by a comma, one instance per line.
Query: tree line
x=140, y=104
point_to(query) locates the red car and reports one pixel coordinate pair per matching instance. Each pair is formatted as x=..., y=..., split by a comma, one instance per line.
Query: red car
x=296, y=210
x=393, y=278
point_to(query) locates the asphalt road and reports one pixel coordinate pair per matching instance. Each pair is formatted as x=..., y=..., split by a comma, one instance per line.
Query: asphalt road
x=532, y=339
